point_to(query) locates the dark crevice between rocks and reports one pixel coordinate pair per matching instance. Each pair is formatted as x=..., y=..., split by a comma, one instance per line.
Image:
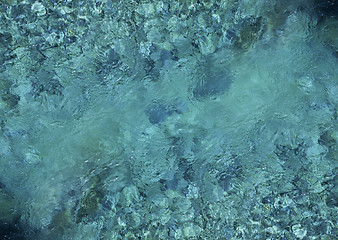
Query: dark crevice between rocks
x=326, y=8
x=11, y=225
x=12, y=231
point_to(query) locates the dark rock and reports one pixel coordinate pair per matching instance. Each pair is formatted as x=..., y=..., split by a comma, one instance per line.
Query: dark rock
x=215, y=79
x=332, y=200
x=326, y=139
x=11, y=99
x=250, y=31
x=113, y=57
x=5, y=39
x=46, y=82
x=224, y=182
x=158, y=112
x=213, y=84
x=268, y=200
x=70, y=40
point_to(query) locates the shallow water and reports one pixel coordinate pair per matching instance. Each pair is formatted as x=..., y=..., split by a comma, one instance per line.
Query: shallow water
x=215, y=120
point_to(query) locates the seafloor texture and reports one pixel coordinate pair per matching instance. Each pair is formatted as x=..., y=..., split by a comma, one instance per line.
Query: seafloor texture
x=180, y=119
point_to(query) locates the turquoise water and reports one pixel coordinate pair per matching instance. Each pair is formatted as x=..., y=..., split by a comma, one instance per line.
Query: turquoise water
x=168, y=119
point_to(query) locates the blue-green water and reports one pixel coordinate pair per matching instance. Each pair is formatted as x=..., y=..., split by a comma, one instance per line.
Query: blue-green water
x=168, y=119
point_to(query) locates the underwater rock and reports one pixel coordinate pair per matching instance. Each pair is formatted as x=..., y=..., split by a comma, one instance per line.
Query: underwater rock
x=174, y=180
x=332, y=200
x=47, y=82
x=10, y=99
x=60, y=224
x=213, y=84
x=5, y=39
x=89, y=205
x=113, y=57
x=250, y=31
x=215, y=79
x=166, y=56
x=8, y=208
x=330, y=34
x=215, y=76
x=158, y=112
x=159, y=60
x=106, y=64
x=224, y=182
